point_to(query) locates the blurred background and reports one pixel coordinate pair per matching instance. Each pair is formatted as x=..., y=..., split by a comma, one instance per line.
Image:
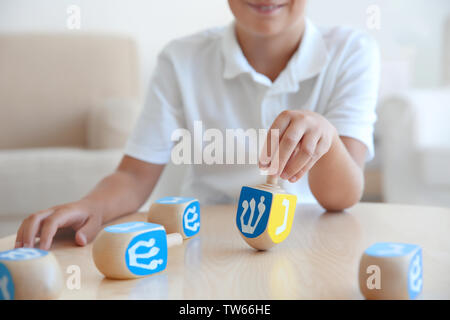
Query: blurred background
x=73, y=75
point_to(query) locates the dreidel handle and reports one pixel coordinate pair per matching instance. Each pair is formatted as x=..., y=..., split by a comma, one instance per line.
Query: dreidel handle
x=272, y=179
x=174, y=239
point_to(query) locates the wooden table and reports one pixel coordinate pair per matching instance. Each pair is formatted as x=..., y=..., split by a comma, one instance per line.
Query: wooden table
x=319, y=259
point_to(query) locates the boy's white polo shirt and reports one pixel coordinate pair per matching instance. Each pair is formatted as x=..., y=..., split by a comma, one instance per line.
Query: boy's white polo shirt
x=205, y=77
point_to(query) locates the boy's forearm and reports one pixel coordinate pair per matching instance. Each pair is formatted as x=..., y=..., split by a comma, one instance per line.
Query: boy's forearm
x=113, y=196
x=120, y=193
x=336, y=180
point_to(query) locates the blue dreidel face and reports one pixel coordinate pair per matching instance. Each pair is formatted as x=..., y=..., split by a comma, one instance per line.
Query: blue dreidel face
x=253, y=211
x=6, y=284
x=6, y=281
x=415, y=268
x=146, y=253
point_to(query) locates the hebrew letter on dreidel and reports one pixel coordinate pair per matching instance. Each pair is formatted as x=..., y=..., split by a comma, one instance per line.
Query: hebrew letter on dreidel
x=190, y=219
x=133, y=256
x=4, y=288
x=281, y=228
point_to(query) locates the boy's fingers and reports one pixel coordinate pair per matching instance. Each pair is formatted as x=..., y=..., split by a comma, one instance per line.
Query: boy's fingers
x=289, y=141
x=306, y=151
x=87, y=232
x=302, y=171
x=270, y=147
x=31, y=225
x=321, y=148
x=60, y=219
x=19, y=241
x=49, y=228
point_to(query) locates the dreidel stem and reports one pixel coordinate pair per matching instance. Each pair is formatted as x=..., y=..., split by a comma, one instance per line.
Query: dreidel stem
x=174, y=239
x=272, y=179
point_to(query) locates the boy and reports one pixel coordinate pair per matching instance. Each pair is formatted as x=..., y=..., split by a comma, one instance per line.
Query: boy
x=271, y=68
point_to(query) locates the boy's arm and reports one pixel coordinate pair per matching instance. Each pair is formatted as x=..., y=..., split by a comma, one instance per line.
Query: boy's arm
x=122, y=192
x=125, y=190
x=337, y=179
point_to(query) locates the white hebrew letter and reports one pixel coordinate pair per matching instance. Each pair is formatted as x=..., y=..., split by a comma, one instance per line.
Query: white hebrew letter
x=187, y=221
x=248, y=228
x=415, y=281
x=4, y=288
x=394, y=248
x=281, y=228
x=133, y=256
x=127, y=228
x=21, y=253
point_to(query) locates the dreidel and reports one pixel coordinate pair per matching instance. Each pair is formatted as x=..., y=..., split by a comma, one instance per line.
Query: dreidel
x=265, y=214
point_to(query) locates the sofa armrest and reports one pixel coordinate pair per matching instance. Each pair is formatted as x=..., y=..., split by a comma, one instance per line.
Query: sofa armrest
x=110, y=122
x=434, y=166
x=415, y=145
x=35, y=179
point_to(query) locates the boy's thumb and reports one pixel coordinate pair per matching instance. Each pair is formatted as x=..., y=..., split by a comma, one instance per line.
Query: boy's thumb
x=86, y=233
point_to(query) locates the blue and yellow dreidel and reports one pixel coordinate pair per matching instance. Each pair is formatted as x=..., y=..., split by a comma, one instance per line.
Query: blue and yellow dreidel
x=176, y=214
x=132, y=250
x=28, y=274
x=265, y=214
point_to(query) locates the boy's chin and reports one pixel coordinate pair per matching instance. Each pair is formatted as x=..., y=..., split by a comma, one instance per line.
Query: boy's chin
x=266, y=29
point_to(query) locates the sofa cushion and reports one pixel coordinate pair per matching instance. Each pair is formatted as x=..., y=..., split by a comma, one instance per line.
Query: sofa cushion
x=110, y=122
x=49, y=81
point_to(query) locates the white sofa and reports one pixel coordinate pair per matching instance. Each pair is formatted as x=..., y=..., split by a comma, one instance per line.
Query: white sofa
x=415, y=147
x=415, y=141
x=67, y=104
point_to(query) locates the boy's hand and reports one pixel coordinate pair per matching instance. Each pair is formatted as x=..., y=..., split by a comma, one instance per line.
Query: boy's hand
x=305, y=136
x=45, y=223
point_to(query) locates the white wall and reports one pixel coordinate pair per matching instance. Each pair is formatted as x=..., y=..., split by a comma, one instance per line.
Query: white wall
x=411, y=30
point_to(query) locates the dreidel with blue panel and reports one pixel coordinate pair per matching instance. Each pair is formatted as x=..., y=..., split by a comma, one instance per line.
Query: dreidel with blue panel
x=390, y=270
x=29, y=274
x=265, y=214
x=132, y=250
x=176, y=214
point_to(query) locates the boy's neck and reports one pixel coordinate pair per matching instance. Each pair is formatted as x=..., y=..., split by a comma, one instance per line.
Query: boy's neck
x=269, y=55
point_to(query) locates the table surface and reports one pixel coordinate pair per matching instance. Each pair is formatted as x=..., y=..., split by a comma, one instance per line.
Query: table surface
x=319, y=259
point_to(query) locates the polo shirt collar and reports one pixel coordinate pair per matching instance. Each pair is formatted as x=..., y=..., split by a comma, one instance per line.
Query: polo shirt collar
x=308, y=61
x=235, y=61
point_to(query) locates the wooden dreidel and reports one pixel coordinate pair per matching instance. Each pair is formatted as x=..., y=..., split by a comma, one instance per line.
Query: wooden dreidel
x=265, y=214
x=29, y=274
x=177, y=214
x=390, y=270
x=132, y=250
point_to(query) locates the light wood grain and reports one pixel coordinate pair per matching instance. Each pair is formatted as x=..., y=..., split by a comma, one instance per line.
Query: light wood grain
x=319, y=259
